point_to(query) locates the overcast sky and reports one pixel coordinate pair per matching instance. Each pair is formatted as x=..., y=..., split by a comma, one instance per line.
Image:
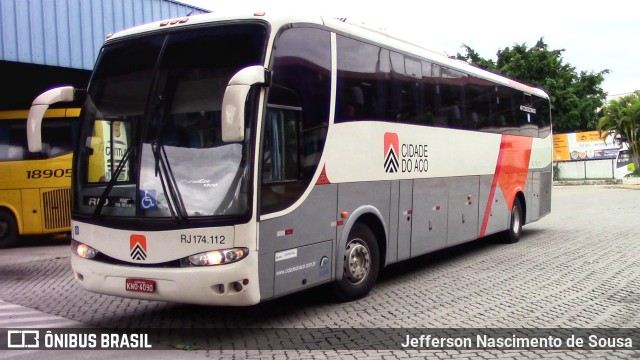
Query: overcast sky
x=596, y=35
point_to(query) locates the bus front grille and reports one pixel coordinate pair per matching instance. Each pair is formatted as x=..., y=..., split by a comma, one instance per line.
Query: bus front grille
x=57, y=209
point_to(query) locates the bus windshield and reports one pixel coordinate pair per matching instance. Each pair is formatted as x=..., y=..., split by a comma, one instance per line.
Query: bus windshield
x=151, y=138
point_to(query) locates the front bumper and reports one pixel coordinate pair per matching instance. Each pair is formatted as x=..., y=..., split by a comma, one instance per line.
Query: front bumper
x=203, y=285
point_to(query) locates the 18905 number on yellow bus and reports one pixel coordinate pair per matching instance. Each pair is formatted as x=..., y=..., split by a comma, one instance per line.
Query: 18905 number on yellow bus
x=48, y=173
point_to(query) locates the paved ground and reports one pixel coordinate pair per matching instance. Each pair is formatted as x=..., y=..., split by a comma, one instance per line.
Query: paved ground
x=577, y=268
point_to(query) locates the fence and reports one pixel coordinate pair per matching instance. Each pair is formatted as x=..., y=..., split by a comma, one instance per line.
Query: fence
x=584, y=170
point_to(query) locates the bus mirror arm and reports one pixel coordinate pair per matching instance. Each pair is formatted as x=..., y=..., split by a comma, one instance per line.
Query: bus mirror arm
x=37, y=110
x=235, y=97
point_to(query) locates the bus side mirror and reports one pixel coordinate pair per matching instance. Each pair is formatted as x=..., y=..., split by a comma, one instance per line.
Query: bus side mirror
x=36, y=113
x=235, y=96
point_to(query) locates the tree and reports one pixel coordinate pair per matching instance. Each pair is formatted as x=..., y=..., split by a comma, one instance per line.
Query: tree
x=622, y=120
x=575, y=97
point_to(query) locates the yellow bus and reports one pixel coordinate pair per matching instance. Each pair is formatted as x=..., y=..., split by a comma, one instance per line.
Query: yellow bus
x=35, y=187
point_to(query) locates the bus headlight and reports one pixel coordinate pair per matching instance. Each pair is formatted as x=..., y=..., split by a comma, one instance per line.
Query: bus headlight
x=217, y=257
x=83, y=250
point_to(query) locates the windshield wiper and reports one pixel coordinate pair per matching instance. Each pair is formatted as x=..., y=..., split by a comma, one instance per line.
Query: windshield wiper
x=112, y=182
x=162, y=166
x=168, y=182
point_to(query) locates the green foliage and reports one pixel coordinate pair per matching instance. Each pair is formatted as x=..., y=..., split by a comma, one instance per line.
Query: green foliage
x=575, y=97
x=621, y=118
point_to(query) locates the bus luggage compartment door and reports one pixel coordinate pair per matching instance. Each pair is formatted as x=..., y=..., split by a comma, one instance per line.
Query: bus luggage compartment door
x=31, y=213
x=463, y=209
x=430, y=209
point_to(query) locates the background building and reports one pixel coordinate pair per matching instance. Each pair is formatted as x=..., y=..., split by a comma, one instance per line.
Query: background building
x=46, y=43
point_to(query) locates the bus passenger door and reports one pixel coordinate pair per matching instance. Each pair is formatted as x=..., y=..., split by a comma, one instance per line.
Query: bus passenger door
x=296, y=241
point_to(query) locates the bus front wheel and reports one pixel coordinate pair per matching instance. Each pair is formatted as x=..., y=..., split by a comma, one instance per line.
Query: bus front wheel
x=361, y=264
x=8, y=229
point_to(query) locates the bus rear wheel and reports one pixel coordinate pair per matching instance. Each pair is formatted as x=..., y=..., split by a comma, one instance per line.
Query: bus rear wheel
x=512, y=235
x=361, y=264
x=8, y=229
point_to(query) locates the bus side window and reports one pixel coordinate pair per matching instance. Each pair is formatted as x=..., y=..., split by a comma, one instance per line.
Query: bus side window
x=280, y=161
x=507, y=112
x=544, y=118
x=364, y=81
x=451, y=86
x=297, y=115
x=5, y=145
x=528, y=116
x=58, y=134
x=13, y=141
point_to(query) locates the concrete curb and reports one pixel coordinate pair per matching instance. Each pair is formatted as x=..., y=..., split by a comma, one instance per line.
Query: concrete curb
x=613, y=183
x=586, y=182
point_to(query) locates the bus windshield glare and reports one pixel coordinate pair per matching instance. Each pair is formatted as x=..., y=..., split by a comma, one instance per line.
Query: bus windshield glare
x=151, y=135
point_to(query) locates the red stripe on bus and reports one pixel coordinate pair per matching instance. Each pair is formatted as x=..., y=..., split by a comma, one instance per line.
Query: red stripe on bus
x=512, y=169
x=492, y=192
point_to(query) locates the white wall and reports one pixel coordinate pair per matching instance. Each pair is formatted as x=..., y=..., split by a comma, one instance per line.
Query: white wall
x=592, y=169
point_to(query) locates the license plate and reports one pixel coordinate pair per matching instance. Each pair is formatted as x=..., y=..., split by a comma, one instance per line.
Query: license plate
x=141, y=285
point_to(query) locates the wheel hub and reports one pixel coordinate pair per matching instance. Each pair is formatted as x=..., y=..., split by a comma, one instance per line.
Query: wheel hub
x=357, y=261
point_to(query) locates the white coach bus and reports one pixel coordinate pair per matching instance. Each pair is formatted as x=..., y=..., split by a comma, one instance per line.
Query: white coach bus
x=260, y=155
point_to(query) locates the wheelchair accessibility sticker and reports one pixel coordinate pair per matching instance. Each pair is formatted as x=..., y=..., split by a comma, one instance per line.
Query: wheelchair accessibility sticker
x=148, y=199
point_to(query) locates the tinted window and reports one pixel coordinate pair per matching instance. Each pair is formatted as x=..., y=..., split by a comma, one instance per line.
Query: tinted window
x=364, y=79
x=59, y=135
x=297, y=116
x=281, y=146
x=507, y=115
x=405, y=77
x=379, y=84
x=450, y=98
x=302, y=63
x=544, y=116
x=528, y=116
x=478, y=103
x=58, y=138
x=13, y=140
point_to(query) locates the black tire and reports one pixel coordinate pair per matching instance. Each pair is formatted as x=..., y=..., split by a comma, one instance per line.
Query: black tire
x=516, y=220
x=8, y=229
x=361, y=264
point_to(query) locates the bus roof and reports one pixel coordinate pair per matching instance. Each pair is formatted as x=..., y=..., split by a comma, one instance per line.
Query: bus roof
x=342, y=25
